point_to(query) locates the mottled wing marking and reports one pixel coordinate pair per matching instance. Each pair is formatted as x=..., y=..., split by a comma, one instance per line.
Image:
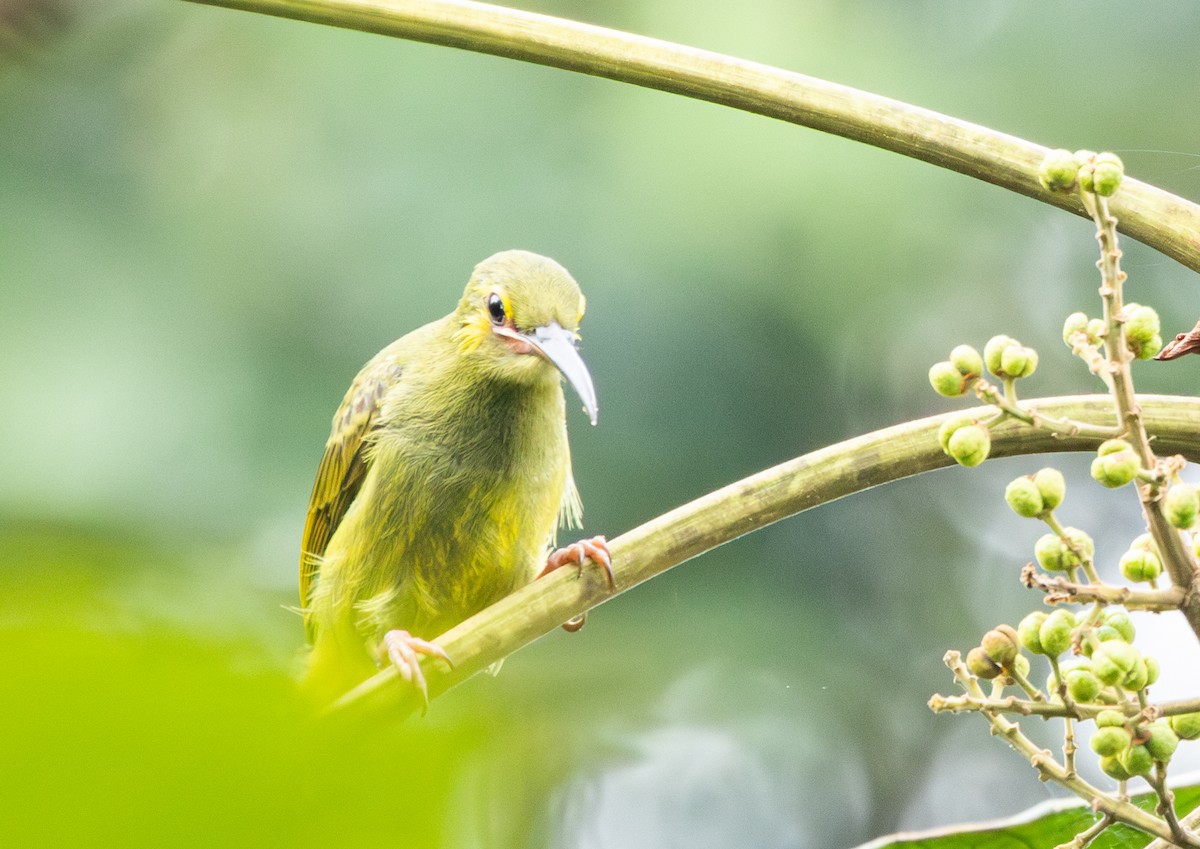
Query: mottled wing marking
x=342, y=468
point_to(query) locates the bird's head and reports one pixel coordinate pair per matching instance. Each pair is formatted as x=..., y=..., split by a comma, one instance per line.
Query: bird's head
x=521, y=312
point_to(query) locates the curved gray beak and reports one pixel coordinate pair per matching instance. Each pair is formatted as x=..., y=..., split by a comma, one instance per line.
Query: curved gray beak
x=558, y=346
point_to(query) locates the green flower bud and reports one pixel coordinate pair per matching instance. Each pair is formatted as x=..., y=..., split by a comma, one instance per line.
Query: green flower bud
x=1058, y=171
x=1096, y=330
x=1115, y=469
x=1107, y=173
x=1138, y=564
x=967, y=360
x=1110, y=742
x=969, y=445
x=1150, y=349
x=980, y=665
x=1020, y=665
x=1024, y=497
x=949, y=426
x=1152, y=670
x=1113, y=768
x=1051, y=486
x=1141, y=323
x=1181, y=505
x=994, y=350
x=1055, y=633
x=1186, y=725
x=946, y=380
x=1137, y=760
x=1161, y=741
x=1119, y=621
x=1107, y=632
x=1018, y=361
x=1137, y=677
x=1113, y=661
x=1113, y=446
x=1049, y=550
x=1028, y=630
x=1110, y=719
x=1082, y=683
x=1076, y=323
x=1001, y=644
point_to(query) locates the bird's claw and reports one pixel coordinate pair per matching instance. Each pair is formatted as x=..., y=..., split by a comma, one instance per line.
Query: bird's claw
x=402, y=650
x=595, y=550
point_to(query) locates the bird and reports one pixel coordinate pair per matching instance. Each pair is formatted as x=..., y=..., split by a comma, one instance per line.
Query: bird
x=445, y=477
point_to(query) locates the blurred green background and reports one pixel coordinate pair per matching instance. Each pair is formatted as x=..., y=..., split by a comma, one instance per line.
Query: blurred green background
x=210, y=219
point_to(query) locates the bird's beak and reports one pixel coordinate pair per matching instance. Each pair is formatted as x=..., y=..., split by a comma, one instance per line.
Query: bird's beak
x=558, y=346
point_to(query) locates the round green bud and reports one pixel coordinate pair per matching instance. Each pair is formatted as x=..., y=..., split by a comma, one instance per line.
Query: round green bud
x=967, y=360
x=994, y=350
x=1137, y=677
x=1001, y=644
x=1107, y=173
x=949, y=426
x=1018, y=361
x=1161, y=741
x=1076, y=323
x=1149, y=350
x=1096, y=330
x=1186, y=725
x=1107, y=632
x=1137, y=760
x=1058, y=171
x=1051, y=486
x=1115, y=469
x=946, y=380
x=1051, y=553
x=1028, y=630
x=1110, y=719
x=1020, y=664
x=1113, y=768
x=1138, y=565
x=1123, y=655
x=1082, y=683
x=1024, y=497
x=1110, y=742
x=1113, y=446
x=1141, y=323
x=980, y=665
x=1152, y=670
x=1055, y=633
x=1084, y=157
x=1120, y=622
x=969, y=445
x=1181, y=505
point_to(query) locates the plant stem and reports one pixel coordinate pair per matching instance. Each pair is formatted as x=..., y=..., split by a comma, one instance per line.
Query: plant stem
x=1176, y=555
x=1052, y=770
x=1157, y=218
x=813, y=479
x=1060, y=590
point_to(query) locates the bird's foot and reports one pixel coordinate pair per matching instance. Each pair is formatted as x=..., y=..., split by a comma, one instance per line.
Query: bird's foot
x=402, y=649
x=594, y=549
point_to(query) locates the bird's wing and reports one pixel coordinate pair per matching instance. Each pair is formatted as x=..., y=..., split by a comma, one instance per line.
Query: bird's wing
x=342, y=468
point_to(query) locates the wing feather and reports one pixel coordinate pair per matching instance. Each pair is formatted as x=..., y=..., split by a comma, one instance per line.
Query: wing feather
x=344, y=464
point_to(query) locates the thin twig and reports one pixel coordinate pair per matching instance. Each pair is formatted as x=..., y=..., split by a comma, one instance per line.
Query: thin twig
x=1059, y=590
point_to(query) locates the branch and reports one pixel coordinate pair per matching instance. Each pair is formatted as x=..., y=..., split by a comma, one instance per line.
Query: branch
x=1159, y=219
x=1059, y=590
x=747, y=505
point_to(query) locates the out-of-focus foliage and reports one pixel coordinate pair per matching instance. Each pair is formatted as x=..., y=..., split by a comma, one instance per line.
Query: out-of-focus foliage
x=211, y=219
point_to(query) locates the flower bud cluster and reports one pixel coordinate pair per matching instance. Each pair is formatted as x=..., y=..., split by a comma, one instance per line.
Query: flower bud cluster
x=1097, y=173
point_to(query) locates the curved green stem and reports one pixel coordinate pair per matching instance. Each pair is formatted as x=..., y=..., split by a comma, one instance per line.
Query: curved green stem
x=747, y=505
x=1157, y=218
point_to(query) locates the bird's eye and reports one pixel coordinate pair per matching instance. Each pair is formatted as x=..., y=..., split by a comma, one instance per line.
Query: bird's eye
x=496, y=309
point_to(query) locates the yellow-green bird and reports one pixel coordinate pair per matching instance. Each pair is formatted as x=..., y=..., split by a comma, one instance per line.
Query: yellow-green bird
x=446, y=475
